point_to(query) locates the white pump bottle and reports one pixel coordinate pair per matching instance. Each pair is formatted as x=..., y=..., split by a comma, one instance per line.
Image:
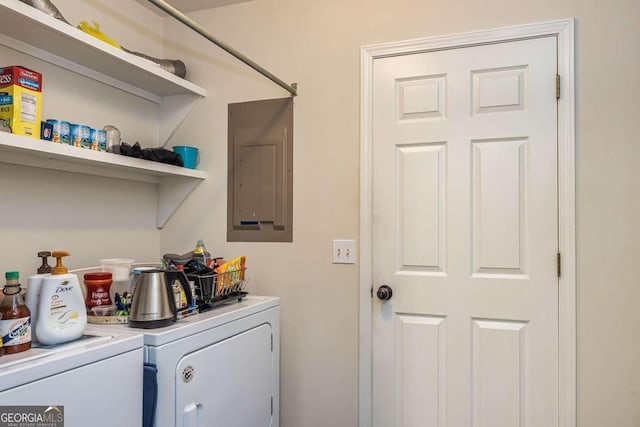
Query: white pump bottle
x=61, y=315
x=32, y=299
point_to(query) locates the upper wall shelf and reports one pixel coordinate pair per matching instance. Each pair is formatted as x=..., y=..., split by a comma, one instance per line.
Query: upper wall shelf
x=36, y=33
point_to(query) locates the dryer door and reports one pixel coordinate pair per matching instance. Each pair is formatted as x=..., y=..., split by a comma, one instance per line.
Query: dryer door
x=229, y=383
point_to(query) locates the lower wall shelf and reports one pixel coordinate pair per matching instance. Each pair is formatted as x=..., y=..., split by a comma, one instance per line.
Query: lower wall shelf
x=174, y=183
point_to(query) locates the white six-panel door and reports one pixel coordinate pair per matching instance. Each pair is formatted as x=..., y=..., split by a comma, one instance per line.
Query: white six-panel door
x=465, y=232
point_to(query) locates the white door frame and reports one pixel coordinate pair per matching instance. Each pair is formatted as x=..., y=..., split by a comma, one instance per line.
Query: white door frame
x=564, y=30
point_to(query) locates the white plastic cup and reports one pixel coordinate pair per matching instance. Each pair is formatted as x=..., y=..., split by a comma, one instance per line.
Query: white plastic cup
x=120, y=268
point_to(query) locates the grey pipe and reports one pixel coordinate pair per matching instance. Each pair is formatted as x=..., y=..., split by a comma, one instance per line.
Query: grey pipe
x=174, y=66
x=166, y=7
x=47, y=7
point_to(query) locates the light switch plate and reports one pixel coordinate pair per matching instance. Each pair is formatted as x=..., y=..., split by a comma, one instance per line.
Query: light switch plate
x=344, y=251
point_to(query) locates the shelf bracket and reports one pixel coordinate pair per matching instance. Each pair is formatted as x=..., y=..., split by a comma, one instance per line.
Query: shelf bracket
x=172, y=191
x=172, y=11
x=174, y=109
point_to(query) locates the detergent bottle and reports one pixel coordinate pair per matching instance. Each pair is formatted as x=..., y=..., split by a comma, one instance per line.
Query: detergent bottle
x=61, y=314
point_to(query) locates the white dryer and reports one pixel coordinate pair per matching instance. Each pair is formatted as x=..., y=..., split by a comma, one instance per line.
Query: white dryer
x=218, y=368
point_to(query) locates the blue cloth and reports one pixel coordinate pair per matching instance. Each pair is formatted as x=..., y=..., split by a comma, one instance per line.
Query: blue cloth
x=149, y=394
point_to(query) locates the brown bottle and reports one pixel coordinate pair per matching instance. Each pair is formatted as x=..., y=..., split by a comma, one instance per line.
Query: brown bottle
x=15, y=318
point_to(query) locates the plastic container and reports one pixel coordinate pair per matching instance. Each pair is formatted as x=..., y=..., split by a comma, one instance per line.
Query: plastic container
x=98, y=285
x=32, y=300
x=16, y=317
x=120, y=268
x=113, y=138
x=190, y=155
x=61, y=314
x=200, y=253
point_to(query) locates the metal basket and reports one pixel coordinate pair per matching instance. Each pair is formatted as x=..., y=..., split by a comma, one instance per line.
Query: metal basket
x=212, y=289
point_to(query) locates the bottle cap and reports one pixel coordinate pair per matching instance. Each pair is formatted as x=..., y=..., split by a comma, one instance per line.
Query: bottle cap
x=59, y=268
x=45, y=267
x=11, y=275
x=97, y=276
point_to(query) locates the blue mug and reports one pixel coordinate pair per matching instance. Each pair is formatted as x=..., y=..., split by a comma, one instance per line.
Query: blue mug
x=190, y=155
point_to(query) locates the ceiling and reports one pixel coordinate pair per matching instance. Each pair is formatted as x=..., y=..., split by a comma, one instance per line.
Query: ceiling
x=190, y=5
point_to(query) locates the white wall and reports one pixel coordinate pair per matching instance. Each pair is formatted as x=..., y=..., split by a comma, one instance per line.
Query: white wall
x=317, y=45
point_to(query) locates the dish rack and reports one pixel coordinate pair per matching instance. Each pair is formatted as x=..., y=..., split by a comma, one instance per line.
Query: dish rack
x=219, y=288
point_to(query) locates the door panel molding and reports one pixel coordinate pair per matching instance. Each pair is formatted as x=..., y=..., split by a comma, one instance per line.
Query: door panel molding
x=564, y=31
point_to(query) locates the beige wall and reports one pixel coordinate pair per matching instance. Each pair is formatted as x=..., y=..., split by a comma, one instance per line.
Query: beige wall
x=317, y=45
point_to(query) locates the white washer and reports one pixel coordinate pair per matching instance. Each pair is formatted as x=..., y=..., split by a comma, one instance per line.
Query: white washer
x=218, y=368
x=97, y=378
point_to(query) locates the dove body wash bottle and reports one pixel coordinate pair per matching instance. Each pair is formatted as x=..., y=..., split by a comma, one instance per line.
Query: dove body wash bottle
x=61, y=316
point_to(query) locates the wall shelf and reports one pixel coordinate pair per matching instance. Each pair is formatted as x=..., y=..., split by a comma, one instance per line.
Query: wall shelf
x=37, y=34
x=51, y=40
x=174, y=183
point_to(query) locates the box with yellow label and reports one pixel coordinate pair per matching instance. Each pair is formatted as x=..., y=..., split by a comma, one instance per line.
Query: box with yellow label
x=20, y=101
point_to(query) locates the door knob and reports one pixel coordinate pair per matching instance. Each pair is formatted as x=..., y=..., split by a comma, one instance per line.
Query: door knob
x=384, y=292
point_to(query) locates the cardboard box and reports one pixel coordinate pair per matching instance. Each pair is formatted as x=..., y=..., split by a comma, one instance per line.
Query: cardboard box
x=21, y=100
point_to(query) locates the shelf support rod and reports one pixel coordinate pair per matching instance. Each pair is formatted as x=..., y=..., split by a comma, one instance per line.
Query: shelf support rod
x=292, y=88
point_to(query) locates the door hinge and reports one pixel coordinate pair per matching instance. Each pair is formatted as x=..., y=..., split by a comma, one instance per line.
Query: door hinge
x=559, y=262
x=271, y=343
x=557, y=86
